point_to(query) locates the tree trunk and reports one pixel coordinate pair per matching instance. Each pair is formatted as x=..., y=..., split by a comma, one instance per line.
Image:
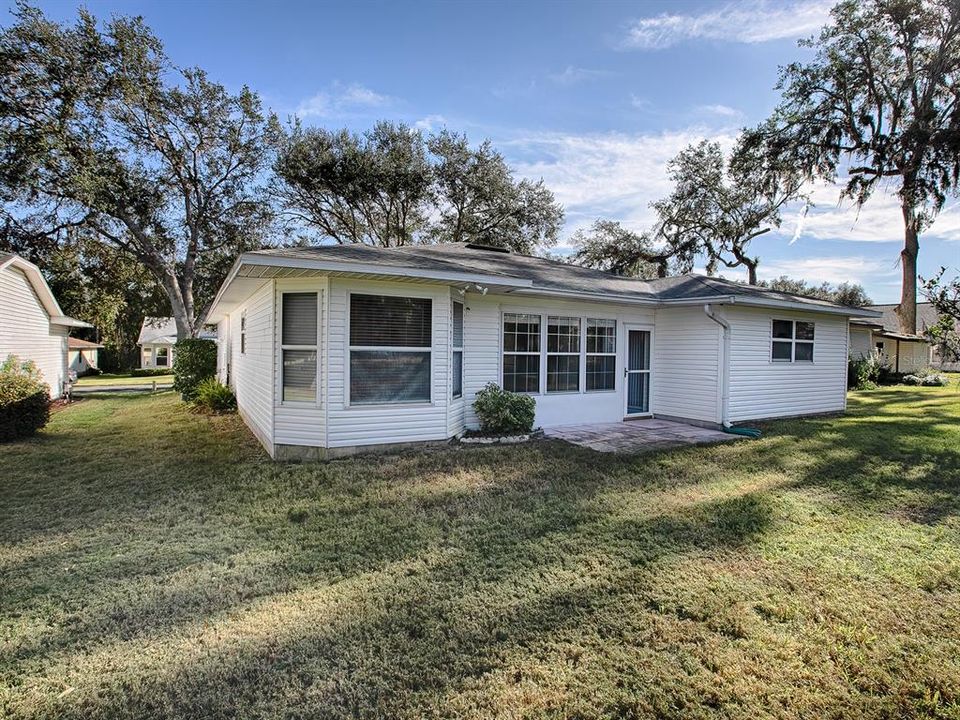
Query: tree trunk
x=751, y=273
x=907, y=309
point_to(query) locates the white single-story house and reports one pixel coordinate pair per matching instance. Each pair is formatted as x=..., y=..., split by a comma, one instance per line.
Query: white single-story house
x=332, y=349
x=32, y=325
x=902, y=353
x=158, y=336
x=83, y=355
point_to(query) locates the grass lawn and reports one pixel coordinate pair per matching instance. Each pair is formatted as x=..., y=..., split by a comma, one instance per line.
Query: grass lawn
x=154, y=564
x=121, y=379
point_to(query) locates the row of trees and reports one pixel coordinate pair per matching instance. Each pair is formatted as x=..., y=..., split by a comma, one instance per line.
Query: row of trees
x=876, y=108
x=109, y=152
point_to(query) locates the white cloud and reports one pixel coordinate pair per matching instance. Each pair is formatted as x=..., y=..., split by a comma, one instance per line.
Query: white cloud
x=724, y=111
x=429, y=122
x=747, y=21
x=341, y=99
x=576, y=75
x=879, y=220
x=835, y=270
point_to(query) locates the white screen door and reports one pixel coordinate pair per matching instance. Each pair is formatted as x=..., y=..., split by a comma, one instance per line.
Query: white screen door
x=637, y=370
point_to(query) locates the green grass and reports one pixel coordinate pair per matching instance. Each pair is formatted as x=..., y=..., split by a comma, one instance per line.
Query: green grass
x=121, y=379
x=154, y=564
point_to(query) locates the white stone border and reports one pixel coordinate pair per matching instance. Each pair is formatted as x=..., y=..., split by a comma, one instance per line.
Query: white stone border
x=502, y=440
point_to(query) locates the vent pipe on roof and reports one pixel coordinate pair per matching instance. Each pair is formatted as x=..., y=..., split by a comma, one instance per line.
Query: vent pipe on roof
x=488, y=248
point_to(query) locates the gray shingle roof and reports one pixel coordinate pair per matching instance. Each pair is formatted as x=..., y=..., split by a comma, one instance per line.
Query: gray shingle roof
x=926, y=317
x=544, y=273
x=164, y=331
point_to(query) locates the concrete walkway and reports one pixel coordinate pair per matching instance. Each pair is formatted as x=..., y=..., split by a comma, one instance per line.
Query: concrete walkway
x=634, y=436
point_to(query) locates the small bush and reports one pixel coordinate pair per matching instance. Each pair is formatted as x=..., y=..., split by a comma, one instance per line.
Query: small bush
x=91, y=372
x=213, y=396
x=196, y=360
x=504, y=413
x=149, y=372
x=24, y=399
x=864, y=373
x=926, y=377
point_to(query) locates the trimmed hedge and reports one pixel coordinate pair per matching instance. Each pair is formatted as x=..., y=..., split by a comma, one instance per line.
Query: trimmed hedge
x=196, y=360
x=502, y=412
x=24, y=399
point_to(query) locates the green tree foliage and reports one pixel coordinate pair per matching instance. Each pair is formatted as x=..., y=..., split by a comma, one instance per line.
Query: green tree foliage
x=878, y=104
x=850, y=294
x=944, y=295
x=609, y=246
x=100, y=131
x=24, y=399
x=393, y=185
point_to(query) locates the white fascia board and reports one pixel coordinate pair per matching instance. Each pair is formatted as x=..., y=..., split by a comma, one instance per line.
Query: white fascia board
x=581, y=295
x=773, y=303
x=393, y=270
x=69, y=322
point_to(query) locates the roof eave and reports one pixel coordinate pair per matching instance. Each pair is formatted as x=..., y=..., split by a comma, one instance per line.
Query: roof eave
x=67, y=321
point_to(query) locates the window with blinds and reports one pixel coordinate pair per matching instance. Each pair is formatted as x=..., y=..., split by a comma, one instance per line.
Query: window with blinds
x=457, y=350
x=298, y=346
x=390, y=349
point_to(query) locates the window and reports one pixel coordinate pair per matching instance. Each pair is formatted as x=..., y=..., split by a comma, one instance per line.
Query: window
x=521, y=352
x=792, y=341
x=390, y=349
x=243, y=332
x=163, y=356
x=601, y=354
x=298, y=343
x=563, y=354
x=457, y=344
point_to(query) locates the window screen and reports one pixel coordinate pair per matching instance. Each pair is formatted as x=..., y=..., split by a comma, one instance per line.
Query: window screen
x=521, y=352
x=457, y=366
x=390, y=349
x=563, y=354
x=601, y=354
x=298, y=343
x=792, y=341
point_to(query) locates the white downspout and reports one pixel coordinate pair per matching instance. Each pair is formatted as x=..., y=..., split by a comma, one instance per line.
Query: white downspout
x=725, y=369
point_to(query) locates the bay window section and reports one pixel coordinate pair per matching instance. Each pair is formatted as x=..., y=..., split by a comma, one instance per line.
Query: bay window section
x=601, y=354
x=563, y=354
x=457, y=349
x=298, y=346
x=792, y=341
x=521, y=352
x=390, y=349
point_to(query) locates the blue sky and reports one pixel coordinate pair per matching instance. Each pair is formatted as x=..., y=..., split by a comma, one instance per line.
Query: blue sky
x=594, y=97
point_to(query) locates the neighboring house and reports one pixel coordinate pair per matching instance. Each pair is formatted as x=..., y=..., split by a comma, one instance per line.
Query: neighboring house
x=335, y=348
x=83, y=355
x=32, y=325
x=157, y=339
x=902, y=353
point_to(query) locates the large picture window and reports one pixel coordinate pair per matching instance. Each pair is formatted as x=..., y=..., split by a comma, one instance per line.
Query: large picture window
x=521, y=352
x=457, y=345
x=563, y=354
x=390, y=349
x=792, y=341
x=298, y=346
x=601, y=355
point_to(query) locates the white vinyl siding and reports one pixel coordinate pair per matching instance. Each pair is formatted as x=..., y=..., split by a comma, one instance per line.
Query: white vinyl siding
x=861, y=342
x=253, y=370
x=762, y=388
x=687, y=359
x=25, y=330
x=303, y=424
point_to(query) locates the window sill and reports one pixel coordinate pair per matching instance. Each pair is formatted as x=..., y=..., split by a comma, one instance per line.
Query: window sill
x=388, y=406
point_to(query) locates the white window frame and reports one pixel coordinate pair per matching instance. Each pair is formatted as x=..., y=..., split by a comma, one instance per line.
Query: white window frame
x=316, y=348
x=578, y=354
x=348, y=401
x=166, y=357
x=793, y=341
x=587, y=354
x=243, y=332
x=539, y=354
x=454, y=349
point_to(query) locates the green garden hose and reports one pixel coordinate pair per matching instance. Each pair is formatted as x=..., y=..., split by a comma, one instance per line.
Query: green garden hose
x=745, y=431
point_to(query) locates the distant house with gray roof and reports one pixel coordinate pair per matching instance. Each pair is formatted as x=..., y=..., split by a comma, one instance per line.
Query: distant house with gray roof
x=902, y=353
x=336, y=348
x=157, y=340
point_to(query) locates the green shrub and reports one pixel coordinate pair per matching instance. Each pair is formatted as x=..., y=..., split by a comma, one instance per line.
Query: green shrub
x=196, y=360
x=864, y=373
x=927, y=377
x=504, y=413
x=213, y=396
x=24, y=399
x=149, y=372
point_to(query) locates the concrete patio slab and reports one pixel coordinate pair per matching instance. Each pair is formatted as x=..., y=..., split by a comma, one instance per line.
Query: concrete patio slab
x=635, y=436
